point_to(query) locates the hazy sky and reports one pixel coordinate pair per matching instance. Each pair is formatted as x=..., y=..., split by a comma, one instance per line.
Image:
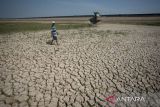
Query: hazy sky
x=40, y=8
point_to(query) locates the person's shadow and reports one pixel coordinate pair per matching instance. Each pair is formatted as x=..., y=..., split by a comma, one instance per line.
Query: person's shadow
x=49, y=42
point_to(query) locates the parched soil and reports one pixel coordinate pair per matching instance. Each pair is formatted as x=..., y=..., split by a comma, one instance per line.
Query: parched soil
x=87, y=66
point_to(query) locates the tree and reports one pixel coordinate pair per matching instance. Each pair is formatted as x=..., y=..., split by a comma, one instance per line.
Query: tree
x=94, y=19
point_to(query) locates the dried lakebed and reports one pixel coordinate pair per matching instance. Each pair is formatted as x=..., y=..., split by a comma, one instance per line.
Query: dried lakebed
x=87, y=67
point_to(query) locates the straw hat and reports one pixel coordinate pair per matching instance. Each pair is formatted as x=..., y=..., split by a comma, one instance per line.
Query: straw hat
x=53, y=21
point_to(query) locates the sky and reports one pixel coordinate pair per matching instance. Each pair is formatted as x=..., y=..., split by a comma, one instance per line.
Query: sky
x=44, y=8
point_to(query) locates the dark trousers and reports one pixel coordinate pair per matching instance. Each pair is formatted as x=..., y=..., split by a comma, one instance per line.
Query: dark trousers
x=54, y=38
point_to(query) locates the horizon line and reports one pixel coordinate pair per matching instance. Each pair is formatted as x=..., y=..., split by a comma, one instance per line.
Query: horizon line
x=65, y=16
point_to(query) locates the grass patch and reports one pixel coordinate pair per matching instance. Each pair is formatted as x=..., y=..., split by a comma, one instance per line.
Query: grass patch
x=148, y=23
x=8, y=27
x=151, y=23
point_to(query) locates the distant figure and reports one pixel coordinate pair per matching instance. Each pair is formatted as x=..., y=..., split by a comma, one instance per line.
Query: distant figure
x=54, y=33
x=94, y=19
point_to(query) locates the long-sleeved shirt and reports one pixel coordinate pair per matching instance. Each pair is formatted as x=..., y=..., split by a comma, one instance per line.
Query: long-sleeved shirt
x=53, y=31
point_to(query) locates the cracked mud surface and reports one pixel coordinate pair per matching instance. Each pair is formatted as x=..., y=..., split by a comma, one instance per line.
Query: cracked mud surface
x=89, y=65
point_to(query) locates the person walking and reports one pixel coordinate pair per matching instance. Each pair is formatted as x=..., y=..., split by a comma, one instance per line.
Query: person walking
x=54, y=33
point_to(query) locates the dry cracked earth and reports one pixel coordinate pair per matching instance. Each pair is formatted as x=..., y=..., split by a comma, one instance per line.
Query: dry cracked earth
x=87, y=66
